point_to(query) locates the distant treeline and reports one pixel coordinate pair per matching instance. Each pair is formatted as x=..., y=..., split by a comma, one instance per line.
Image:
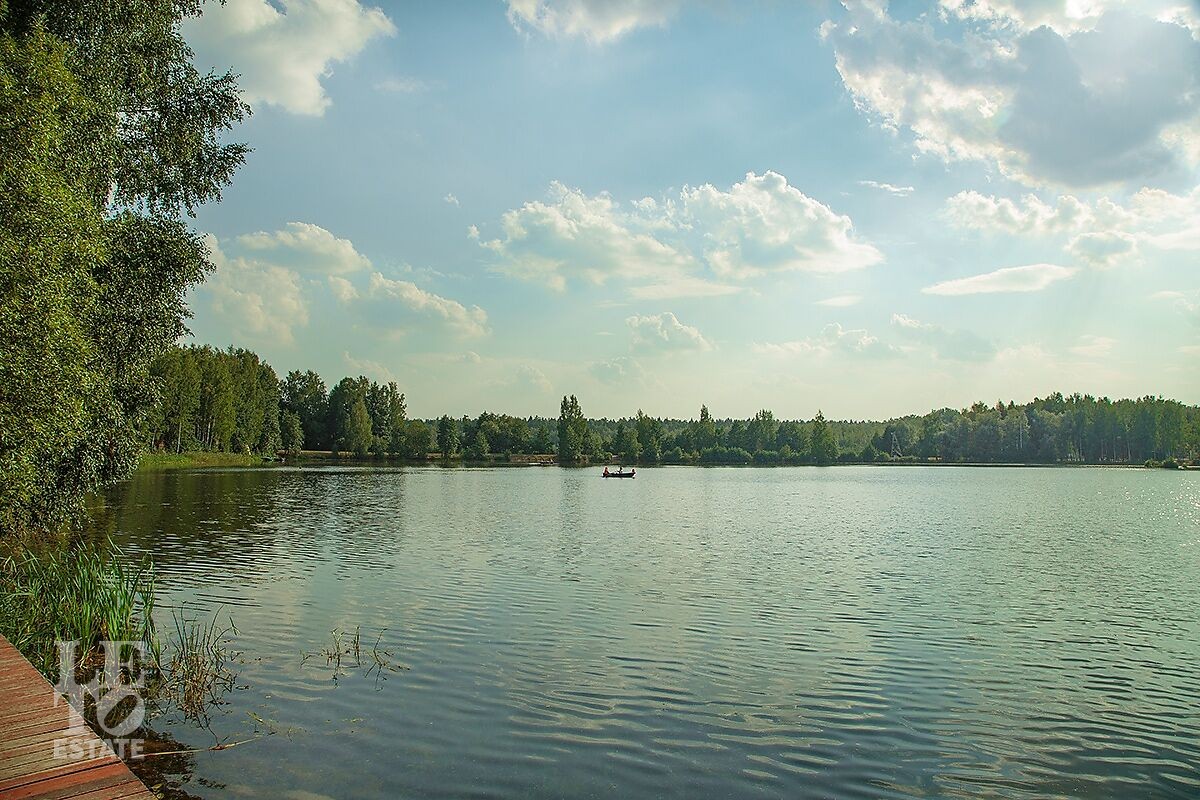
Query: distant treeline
x=232, y=400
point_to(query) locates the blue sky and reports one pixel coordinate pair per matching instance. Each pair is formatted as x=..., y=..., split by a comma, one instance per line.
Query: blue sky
x=870, y=209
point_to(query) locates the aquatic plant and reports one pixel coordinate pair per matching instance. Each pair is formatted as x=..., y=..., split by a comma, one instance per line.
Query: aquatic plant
x=87, y=593
x=193, y=671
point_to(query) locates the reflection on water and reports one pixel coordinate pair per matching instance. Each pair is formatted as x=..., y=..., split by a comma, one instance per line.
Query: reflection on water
x=853, y=632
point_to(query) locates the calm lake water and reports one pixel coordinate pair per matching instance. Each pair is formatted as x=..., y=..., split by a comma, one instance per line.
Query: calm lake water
x=847, y=632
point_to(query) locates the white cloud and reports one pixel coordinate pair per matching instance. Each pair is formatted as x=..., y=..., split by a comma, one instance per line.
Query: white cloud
x=533, y=377
x=840, y=301
x=283, y=53
x=945, y=342
x=1031, y=278
x=1029, y=215
x=1186, y=302
x=1096, y=101
x=697, y=244
x=832, y=339
x=308, y=248
x=394, y=296
x=1091, y=346
x=367, y=367
x=899, y=191
x=663, y=332
x=682, y=286
x=589, y=236
x=1100, y=232
x=764, y=225
x=342, y=289
x=257, y=302
x=597, y=21
x=618, y=371
x=1063, y=16
x=1102, y=249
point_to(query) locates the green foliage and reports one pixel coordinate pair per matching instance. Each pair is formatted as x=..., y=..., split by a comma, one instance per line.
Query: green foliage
x=418, y=439
x=164, y=123
x=573, y=432
x=823, y=446
x=222, y=400
x=448, y=437
x=109, y=134
x=85, y=593
x=627, y=445
x=51, y=239
x=304, y=395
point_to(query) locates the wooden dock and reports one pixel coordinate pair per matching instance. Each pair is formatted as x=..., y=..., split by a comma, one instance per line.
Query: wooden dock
x=32, y=720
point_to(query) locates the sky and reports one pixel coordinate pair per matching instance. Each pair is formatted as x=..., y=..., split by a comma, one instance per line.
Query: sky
x=870, y=209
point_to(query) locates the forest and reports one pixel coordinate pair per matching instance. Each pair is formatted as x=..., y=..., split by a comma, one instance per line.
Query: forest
x=231, y=400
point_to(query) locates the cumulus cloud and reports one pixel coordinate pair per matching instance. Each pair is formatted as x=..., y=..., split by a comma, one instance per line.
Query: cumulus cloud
x=393, y=300
x=663, y=332
x=258, y=302
x=263, y=279
x=617, y=371
x=700, y=243
x=307, y=248
x=598, y=21
x=1091, y=346
x=368, y=367
x=342, y=289
x=531, y=376
x=765, y=225
x=1186, y=302
x=899, y=191
x=1102, y=249
x=284, y=50
x=1031, y=278
x=1095, y=100
x=945, y=343
x=1100, y=232
x=833, y=339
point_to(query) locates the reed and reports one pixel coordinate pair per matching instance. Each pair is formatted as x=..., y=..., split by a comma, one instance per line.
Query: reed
x=194, y=671
x=88, y=593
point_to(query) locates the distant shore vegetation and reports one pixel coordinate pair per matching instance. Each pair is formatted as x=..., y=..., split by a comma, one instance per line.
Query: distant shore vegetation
x=231, y=401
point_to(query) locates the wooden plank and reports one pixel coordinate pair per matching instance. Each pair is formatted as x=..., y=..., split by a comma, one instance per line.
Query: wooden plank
x=33, y=721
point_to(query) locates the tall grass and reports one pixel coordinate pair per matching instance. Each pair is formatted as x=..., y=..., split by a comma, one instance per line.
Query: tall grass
x=87, y=593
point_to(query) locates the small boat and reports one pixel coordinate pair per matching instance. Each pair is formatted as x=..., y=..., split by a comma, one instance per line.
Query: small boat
x=622, y=474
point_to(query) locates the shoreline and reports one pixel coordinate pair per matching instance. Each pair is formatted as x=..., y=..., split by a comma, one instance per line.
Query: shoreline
x=167, y=462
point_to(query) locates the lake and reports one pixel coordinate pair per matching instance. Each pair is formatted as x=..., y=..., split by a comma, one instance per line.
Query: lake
x=795, y=632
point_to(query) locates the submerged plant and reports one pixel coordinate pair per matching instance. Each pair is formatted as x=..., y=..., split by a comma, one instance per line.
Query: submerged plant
x=345, y=653
x=193, y=671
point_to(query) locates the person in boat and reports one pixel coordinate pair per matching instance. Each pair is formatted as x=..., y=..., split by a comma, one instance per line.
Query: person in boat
x=606, y=472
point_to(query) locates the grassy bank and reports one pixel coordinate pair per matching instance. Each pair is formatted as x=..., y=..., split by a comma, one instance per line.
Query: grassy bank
x=158, y=462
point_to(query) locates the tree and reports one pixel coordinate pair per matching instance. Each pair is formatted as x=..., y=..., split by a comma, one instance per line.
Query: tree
x=356, y=428
x=291, y=432
x=343, y=400
x=447, y=436
x=572, y=432
x=650, y=437
x=627, y=445
x=418, y=439
x=822, y=444
x=304, y=394
x=110, y=134
x=481, y=447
